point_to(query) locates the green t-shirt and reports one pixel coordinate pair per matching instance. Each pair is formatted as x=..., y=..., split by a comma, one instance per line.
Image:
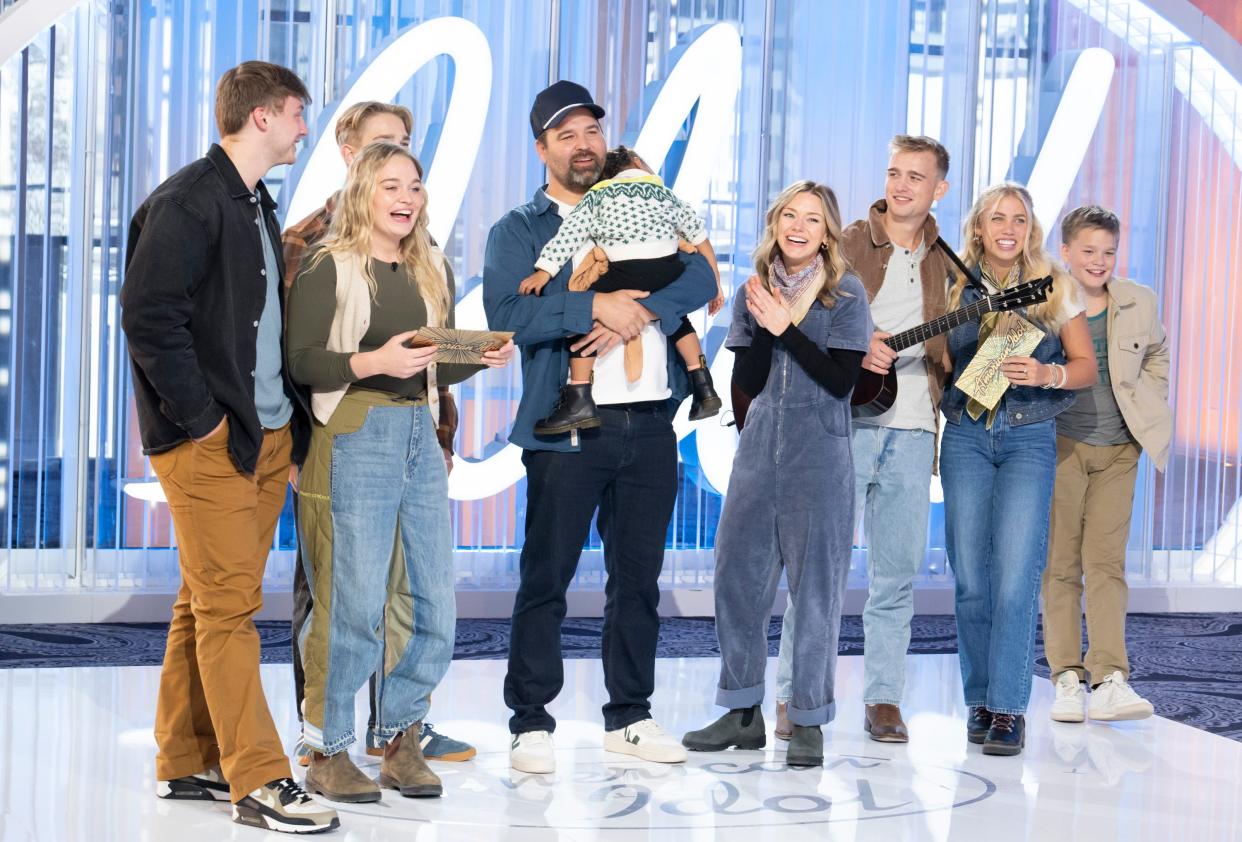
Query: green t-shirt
x=1094, y=418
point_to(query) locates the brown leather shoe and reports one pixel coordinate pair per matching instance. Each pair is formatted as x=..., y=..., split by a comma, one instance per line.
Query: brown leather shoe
x=405, y=770
x=884, y=724
x=784, y=728
x=336, y=778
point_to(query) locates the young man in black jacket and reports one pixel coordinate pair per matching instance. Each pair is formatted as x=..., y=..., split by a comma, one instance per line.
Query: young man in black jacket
x=221, y=423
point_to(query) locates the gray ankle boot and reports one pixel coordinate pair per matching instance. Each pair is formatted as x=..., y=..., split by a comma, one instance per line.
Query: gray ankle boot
x=806, y=746
x=741, y=728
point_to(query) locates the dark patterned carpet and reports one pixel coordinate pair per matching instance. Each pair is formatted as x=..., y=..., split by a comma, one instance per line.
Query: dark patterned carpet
x=1188, y=665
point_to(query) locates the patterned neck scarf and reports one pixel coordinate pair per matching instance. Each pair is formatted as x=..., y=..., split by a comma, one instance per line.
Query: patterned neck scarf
x=989, y=275
x=987, y=324
x=791, y=286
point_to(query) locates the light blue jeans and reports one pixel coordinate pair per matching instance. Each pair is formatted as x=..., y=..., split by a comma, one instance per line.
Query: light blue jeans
x=892, y=478
x=388, y=484
x=997, y=500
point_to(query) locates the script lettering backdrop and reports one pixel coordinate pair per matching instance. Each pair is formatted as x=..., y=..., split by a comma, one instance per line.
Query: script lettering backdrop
x=736, y=97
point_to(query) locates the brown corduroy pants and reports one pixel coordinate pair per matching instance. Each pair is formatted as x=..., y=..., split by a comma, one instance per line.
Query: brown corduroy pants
x=211, y=705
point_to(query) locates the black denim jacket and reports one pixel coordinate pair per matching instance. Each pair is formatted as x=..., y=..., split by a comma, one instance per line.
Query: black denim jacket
x=195, y=286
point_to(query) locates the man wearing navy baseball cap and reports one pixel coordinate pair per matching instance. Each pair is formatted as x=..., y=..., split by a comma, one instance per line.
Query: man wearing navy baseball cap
x=626, y=468
x=554, y=103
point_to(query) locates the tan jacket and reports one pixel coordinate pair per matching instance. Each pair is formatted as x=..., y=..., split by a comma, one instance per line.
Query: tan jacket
x=867, y=248
x=1138, y=366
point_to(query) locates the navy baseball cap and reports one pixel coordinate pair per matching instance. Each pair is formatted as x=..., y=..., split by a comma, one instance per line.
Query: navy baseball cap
x=554, y=102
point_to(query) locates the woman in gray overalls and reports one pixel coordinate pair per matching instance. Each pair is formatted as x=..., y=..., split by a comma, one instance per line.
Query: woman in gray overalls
x=799, y=340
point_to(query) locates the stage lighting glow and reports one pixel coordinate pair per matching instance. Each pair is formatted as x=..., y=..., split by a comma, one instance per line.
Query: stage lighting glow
x=1214, y=92
x=1062, y=152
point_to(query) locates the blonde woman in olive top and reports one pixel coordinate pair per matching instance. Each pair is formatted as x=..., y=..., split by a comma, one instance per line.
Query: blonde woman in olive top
x=374, y=475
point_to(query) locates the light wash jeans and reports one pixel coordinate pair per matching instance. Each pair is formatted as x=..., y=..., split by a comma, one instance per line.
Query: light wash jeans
x=997, y=496
x=892, y=479
x=388, y=483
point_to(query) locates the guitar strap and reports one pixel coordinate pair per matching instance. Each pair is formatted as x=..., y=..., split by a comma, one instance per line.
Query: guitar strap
x=971, y=280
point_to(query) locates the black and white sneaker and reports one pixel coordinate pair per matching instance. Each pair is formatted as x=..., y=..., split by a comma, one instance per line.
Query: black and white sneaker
x=205, y=786
x=285, y=807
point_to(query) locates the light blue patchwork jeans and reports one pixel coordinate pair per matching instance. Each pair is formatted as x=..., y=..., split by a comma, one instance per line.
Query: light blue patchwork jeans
x=892, y=478
x=388, y=485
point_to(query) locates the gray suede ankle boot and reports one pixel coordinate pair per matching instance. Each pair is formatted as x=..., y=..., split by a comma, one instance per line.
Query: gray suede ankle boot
x=741, y=728
x=806, y=746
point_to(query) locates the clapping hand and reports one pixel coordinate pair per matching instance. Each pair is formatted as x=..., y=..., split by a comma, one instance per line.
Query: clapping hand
x=768, y=307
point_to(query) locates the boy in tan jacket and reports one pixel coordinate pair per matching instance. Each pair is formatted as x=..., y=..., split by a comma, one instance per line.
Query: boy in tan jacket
x=1099, y=440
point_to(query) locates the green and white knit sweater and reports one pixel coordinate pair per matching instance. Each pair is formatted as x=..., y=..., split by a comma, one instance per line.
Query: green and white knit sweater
x=633, y=216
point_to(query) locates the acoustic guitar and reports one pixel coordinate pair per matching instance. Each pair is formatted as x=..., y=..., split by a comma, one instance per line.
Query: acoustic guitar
x=874, y=394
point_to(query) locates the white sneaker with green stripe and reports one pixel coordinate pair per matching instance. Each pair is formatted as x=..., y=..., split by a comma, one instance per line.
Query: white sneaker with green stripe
x=531, y=752
x=646, y=740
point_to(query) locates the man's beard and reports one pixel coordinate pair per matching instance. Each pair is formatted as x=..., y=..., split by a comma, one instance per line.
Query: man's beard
x=584, y=179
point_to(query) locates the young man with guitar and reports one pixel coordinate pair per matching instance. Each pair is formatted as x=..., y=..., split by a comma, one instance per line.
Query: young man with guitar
x=904, y=266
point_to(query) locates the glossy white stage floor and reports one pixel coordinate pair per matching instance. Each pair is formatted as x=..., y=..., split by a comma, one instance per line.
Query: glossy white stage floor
x=76, y=752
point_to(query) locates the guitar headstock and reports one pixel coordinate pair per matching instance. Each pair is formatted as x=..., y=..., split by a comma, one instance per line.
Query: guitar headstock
x=1023, y=295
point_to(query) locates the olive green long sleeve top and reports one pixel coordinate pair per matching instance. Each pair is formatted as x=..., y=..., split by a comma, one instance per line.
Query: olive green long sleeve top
x=397, y=307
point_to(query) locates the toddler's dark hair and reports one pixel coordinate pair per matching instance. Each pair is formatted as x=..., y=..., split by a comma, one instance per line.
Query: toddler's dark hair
x=617, y=160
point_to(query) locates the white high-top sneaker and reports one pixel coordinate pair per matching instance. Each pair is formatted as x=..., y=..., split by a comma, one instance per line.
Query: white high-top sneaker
x=1071, y=698
x=1115, y=700
x=647, y=740
x=531, y=752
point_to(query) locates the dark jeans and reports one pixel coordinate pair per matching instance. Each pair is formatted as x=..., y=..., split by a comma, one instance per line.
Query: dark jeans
x=628, y=469
x=303, y=601
x=645, y=275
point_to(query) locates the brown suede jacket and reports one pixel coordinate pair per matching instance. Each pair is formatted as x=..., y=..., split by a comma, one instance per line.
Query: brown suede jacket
x=867, y=249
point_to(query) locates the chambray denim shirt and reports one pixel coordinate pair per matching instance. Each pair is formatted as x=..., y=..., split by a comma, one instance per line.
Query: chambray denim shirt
x=541, y=323
x=1021, y=404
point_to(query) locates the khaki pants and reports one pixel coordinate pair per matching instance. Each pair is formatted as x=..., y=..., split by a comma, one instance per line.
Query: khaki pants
x=1091, y=508
x=211, y=705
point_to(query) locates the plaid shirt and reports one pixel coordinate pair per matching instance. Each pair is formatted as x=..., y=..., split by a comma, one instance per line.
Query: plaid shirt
x=297, y=241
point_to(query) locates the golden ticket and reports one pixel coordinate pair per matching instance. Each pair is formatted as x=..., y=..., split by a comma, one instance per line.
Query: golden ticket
x=464, y=347
x=983, y=380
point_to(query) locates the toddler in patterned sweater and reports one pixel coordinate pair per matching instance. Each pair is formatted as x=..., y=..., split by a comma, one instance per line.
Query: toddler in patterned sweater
x=639, y=224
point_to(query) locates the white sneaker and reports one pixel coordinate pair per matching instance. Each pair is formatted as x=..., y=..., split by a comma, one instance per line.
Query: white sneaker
x=646, y=740
x=1115, y=700
x=531, y=752
x=1071, y=698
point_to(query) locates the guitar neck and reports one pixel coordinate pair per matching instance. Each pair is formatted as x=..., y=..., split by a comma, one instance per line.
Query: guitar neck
x=925, y=331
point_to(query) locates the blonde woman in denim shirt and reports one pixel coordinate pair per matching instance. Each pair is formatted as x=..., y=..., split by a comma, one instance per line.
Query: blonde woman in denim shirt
x=997, y=466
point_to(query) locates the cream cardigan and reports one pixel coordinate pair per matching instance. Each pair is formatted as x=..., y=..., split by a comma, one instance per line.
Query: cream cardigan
x=349, y=325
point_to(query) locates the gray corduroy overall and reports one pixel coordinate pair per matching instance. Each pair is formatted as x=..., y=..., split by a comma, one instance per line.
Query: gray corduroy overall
x=790, y=505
